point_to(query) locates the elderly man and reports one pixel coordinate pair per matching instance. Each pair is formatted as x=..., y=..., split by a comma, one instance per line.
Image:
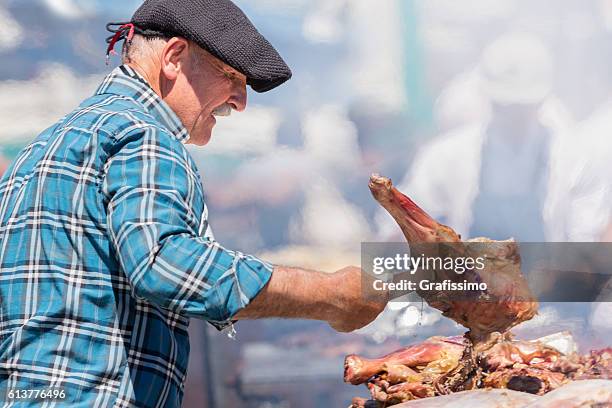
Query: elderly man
x=106, y=251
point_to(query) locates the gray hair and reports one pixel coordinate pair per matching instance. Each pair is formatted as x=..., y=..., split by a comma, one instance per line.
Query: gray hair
x=140, y=47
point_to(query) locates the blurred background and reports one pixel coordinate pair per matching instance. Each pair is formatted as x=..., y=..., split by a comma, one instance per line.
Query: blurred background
x=494, y=115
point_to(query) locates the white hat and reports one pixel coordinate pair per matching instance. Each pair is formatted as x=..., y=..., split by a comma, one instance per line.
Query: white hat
x=516, y=68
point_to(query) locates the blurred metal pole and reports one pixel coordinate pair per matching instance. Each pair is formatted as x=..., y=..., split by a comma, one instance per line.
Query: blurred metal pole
x=419, y=101
x=211, y=400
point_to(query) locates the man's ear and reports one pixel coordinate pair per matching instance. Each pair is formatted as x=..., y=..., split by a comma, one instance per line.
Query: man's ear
x=174, y=56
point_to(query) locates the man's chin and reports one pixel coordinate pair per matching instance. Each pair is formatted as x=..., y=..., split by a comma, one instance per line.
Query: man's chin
x=202, y=136
x=201, y=132
x=199, y=140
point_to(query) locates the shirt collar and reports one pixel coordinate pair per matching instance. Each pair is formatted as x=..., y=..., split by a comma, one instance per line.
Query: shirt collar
x=124, y=80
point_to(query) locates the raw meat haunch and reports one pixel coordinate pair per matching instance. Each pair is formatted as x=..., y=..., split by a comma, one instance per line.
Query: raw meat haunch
x=507, y=300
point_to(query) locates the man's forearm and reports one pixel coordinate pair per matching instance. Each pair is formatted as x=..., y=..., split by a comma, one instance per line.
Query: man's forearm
x=295, y=293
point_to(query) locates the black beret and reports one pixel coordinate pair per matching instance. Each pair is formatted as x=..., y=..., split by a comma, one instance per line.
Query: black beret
x=221, y=28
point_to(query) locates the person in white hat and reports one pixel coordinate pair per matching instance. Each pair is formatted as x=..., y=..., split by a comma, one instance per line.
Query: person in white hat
x=490, y=177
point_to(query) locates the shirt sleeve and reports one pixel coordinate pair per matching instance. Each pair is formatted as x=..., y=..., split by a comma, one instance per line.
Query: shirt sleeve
x=156, y=219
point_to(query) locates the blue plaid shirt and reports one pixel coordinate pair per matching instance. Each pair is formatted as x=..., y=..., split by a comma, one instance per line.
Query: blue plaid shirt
x=106, y=252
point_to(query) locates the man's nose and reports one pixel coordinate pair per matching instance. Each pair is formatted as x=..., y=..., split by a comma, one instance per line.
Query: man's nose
x=238, y=99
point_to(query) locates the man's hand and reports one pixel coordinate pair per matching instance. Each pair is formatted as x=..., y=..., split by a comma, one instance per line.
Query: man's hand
x=355, y=310
x=336, y=298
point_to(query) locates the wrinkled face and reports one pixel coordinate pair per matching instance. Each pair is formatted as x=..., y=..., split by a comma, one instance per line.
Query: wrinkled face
x=204, y=87
x=217, y=89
